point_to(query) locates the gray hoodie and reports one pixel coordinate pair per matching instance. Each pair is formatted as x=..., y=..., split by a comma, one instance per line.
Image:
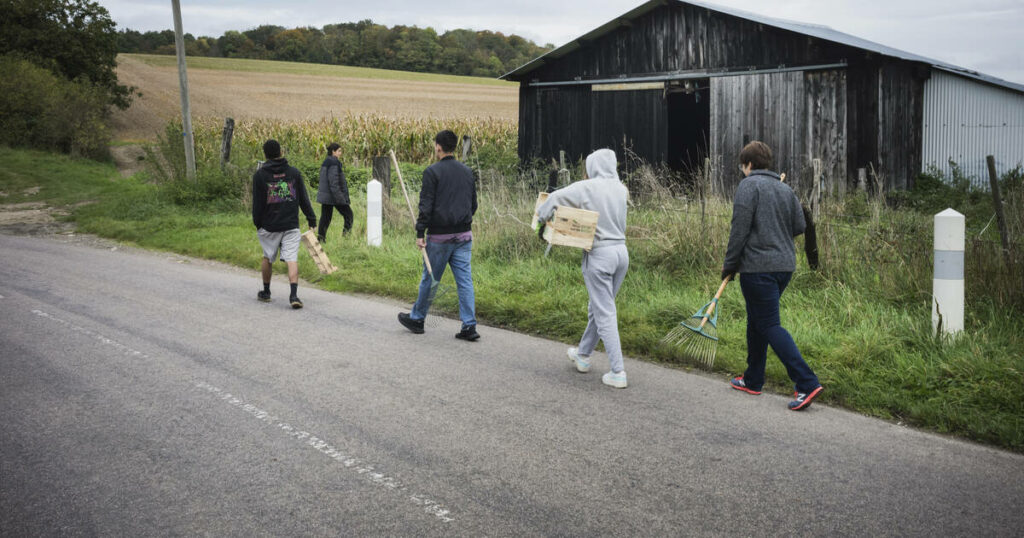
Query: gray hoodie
x=603, y=193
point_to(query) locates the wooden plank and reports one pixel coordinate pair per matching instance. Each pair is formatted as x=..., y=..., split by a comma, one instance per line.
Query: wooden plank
x=323, y=263
x=628, y=86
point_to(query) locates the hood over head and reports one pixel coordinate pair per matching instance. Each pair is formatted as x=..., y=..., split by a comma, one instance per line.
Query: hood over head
x=602, y=164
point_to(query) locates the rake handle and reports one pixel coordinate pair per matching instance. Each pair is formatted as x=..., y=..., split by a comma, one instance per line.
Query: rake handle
x=714, y=302
x=412, y=215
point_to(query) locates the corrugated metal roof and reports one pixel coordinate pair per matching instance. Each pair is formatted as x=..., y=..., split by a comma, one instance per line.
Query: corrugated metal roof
x=813, y=30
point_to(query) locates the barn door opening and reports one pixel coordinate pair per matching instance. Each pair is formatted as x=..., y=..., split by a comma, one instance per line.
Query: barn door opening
x=689, y=122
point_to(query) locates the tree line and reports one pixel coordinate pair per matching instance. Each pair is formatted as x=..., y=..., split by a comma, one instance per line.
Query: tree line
x=58, y=58
x=362, y=44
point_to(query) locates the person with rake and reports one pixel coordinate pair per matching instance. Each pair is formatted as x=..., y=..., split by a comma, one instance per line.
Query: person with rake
x=604, y=266
x=766, y=217
x=444, y=229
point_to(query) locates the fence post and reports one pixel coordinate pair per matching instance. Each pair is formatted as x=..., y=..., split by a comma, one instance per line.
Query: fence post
x=225, y=141
x=948, y=279
x=862, y=179
x=997, y=199
x=816, y=188
x=374, y=213
x=382, y=173
x=467, y=147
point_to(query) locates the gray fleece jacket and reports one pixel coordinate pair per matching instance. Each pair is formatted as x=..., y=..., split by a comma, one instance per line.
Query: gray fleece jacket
x=603, y=193
x=766, y=216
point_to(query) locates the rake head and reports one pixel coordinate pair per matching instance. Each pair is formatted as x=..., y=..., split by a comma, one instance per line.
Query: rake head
x=697, y=336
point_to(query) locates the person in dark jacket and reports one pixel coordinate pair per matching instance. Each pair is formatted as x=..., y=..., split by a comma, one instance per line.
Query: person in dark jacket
x=278, y=192
x=444, y=229
x=766, y=217
x=333, y=193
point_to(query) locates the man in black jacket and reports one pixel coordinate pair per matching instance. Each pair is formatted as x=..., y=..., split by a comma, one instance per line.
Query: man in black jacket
x=444, y=229
x=278, y=192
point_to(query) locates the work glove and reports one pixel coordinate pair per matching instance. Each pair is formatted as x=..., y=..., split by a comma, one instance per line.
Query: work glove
x=540, y=231
x=312, y=225
x=728, y=272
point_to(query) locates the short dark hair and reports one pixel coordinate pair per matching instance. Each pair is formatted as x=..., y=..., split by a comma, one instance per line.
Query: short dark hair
x=272, y=149
x=334, y=146
x=758, y=154
x=447, y=140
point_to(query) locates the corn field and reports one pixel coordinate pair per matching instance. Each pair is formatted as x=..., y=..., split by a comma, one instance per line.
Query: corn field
x=361, y=137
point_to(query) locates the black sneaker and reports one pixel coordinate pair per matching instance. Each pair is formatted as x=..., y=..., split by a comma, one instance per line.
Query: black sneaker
x=295, y=302
x=263, y=296
x=414, y=325
x=469, y=334
x=803, y=399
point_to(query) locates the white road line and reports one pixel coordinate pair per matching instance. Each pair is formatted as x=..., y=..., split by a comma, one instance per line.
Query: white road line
x=364, y=469
x=93, y=334
x=353, y=463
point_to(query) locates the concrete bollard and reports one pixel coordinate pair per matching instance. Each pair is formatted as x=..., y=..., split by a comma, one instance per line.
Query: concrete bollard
x=374, y=213
x=948, y=280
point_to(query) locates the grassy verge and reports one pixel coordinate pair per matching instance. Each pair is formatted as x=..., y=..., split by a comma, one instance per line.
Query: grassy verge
x=865, y=328
x=298, y=68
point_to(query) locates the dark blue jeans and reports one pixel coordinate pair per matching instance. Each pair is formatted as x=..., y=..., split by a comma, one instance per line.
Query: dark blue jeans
x=459, y=257
x=762, y=292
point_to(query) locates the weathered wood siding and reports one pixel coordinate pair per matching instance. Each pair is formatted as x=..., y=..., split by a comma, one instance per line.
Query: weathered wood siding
x=630, y=119
x=900, y=122
x=679, y=37
x=801, y=116
x=869, y=114
x=552, y=120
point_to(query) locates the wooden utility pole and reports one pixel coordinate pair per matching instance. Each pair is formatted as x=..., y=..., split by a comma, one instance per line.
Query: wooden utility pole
x=186, y=112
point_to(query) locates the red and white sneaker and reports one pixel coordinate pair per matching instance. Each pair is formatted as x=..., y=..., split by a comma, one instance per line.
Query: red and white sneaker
x=738, y=384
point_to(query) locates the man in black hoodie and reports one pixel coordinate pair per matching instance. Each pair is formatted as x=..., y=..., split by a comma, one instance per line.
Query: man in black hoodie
x=444, y=229
x=278, y=192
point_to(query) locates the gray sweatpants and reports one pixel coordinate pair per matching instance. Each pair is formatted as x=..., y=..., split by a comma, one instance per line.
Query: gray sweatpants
x=604, y=269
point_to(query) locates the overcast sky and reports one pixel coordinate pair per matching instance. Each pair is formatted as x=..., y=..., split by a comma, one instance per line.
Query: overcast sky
x=985, y=35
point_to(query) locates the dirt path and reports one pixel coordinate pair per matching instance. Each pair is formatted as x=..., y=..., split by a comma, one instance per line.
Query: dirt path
x=20, y=214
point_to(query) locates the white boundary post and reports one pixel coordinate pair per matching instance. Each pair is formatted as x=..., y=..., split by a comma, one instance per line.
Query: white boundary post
x=948, y=280
x=374, y=213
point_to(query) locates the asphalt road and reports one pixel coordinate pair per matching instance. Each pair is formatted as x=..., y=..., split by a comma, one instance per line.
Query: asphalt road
x=144, y=394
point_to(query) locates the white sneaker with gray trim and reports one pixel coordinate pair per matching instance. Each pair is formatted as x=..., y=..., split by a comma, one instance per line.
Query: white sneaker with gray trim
x=617, y=380
x=582, y=363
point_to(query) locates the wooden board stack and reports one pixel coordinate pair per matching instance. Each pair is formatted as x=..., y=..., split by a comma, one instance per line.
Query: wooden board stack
x=323, y=263
x=569, y=227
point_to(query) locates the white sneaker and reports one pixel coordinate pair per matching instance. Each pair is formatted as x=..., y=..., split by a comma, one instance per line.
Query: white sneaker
x=617, y=380
x=582, y=363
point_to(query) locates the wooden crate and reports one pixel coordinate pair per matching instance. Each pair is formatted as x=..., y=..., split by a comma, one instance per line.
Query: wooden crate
x=323, y=263
x=569, y=227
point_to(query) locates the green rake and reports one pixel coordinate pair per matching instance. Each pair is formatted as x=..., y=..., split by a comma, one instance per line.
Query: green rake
x=697, y=336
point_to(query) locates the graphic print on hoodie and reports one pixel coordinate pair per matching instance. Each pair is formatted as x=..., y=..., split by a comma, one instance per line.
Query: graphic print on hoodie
x=281, y=190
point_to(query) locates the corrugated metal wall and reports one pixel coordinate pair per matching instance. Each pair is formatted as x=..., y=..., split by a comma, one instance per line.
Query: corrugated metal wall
x=966, y=120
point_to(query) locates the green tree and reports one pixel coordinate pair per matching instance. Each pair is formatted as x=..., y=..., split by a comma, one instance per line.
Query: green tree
x=76, y=39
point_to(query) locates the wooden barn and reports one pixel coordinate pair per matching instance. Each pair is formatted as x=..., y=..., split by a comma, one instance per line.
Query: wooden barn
x=678, y=82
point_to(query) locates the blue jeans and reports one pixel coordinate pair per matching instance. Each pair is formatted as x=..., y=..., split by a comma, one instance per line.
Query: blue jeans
x=458, y=257
x=762, y=292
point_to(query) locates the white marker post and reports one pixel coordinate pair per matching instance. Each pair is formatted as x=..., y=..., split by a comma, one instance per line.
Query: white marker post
x=374, y=213
x=948, y=281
